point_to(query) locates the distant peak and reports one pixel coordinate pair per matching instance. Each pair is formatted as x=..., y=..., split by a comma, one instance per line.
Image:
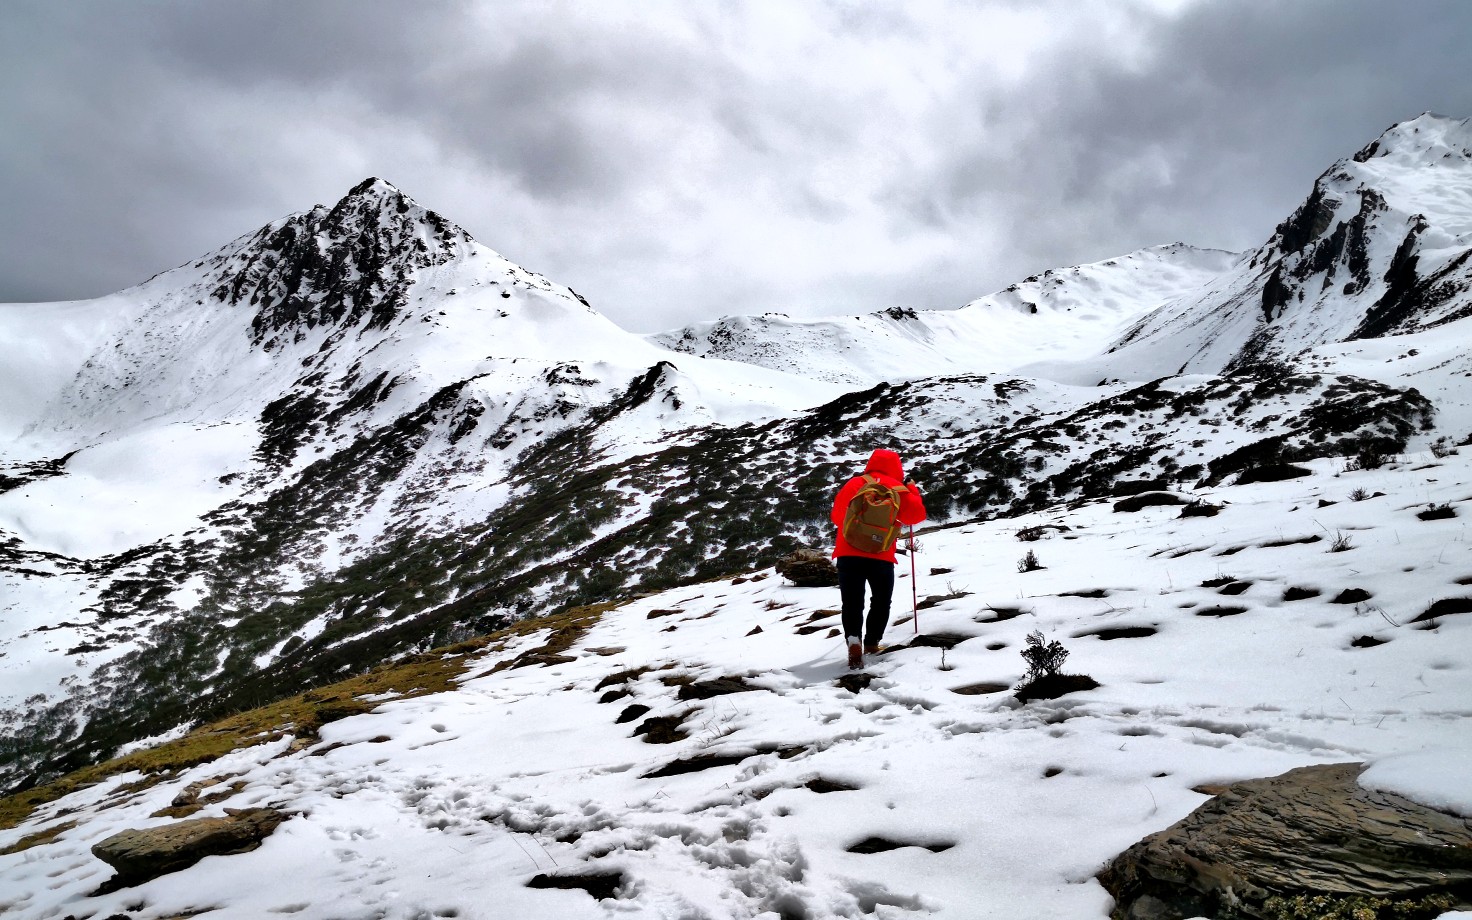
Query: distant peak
x=374, y=187
x=1426, y=132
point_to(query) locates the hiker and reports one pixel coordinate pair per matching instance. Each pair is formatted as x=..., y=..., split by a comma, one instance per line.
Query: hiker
x=870, y=510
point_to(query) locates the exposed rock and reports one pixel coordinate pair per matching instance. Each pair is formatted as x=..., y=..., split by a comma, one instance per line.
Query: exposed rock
x=1148, y=499
x=1311, y=831
x=146, y=853
x=808, y=568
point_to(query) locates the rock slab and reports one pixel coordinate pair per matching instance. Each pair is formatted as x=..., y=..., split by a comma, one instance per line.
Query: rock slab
x=141, y=854
x=808, y=568
x=1311, y=831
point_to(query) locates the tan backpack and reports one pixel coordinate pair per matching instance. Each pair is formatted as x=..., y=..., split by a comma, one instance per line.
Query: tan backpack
x=872, y=522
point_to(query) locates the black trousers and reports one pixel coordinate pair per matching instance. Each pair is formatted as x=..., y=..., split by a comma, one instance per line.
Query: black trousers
x=854, y=572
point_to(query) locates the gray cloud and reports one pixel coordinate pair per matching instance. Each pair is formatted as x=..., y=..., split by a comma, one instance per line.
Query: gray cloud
x=675, y=162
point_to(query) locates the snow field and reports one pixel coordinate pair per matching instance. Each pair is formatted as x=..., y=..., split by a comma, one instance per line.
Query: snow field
x=448, y=805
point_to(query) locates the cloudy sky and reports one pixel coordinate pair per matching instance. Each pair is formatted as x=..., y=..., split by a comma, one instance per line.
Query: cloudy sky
x=676, y=161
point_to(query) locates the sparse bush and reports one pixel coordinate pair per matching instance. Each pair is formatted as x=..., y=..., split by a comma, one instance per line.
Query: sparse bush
x=1341, y=542
x=1442, y=448
x=1043, y=658
x=1366, y=458
x=1030, y=534
x=1435, y=512
x=1356, y=907
x=1199, y=508
x=1359, y=495
x=1029, y=563
x=1044, y=681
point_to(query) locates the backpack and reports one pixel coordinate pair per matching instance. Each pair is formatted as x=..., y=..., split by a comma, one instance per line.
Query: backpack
x=872, y=522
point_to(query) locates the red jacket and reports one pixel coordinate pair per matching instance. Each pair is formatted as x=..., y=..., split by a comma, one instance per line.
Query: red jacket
x=885, y=465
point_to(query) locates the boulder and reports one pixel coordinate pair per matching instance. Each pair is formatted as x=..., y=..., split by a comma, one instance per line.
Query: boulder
x=1310, y=832
x=808, y=568
x=1148, y=499
x=146, y=853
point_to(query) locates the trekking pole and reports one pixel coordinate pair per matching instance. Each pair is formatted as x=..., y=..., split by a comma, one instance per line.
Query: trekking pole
x=914, y=591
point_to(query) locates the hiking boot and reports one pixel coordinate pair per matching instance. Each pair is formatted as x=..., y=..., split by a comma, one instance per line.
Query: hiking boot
x=872, y=648
x=855, y=656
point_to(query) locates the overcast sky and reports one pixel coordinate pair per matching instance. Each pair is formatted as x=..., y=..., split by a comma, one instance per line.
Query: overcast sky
x=680, y=161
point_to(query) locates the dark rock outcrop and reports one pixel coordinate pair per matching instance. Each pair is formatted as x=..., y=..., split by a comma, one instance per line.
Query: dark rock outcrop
x=146, y=853
x=1309, y=832
x=808, y=568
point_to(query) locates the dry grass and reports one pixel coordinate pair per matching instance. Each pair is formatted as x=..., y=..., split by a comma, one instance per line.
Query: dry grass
x=303, y=715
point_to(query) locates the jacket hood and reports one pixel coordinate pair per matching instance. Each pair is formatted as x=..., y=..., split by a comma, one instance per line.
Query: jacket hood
x=886, y=463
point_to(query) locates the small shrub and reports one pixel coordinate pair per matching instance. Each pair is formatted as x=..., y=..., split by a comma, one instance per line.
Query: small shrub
x=1043, y=658
x=1030, y=534
x=1341, y=542
x=1029, y=563
x=1356, y=907
x=1199, y=508
x=1366, y=458
x=1435, y=512
x=1359, y=495
x=1442, y=448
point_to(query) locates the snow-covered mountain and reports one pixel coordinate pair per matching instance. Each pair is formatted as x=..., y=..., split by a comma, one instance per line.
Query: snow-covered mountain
x=357, y=434
x=228, y=432
x=1059, y=315
x=1381, y=246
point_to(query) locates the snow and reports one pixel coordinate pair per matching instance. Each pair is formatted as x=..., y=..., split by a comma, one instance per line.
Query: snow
x=1060, y=315
x=522, y=772
x=130, y=490
x=1437, y=777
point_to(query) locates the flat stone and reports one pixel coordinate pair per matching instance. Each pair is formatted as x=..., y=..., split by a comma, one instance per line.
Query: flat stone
x=146, y=853
x=1311, y=831
x=808, y=568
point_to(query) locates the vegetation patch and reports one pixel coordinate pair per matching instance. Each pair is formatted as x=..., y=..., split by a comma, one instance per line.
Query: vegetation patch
x=1445, y=607
x=1436, y=512
x=1356, y=907
x=600, y=885
x=934, y=600
x=938, y=640
x=1295, y=593
x=1003, y=614
x=663, y=729
x=1147, y=500
x=981, y=689
x=1291, y=541
x=1200, y=508
x=884, y=845
x=1118, y=632
x=40, y=837
x=1275, y=472
x=1221, y=611
x=719, y=686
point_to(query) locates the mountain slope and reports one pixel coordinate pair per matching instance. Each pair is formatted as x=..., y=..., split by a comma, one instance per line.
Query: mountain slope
x=704, y=751
x=183, y=455
x=1058, y=315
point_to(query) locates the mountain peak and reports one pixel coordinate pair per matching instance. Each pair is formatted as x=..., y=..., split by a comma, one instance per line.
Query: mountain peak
x=1424, y=138
x=347, y=264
